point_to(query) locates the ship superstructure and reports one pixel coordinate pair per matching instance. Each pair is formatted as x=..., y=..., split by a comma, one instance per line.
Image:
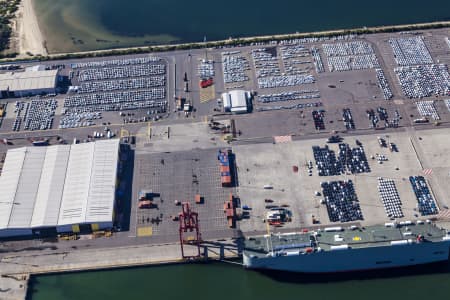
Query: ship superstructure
x=339, y=249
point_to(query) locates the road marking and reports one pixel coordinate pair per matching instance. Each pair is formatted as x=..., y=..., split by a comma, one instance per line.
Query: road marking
x=207, y=94
x=444, y=214
x=427, y=171
x=282, y=139
x=144, y=231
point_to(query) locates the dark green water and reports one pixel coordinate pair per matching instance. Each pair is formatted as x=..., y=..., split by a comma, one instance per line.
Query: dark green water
x=71, y=25
x=219, y=281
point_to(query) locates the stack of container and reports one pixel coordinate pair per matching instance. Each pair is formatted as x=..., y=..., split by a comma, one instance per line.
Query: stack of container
x=145, y=199
x=198, y=199
x=225, y=171
x=230, y=211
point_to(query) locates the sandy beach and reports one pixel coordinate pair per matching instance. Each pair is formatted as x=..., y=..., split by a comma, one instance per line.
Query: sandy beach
x=30, y=38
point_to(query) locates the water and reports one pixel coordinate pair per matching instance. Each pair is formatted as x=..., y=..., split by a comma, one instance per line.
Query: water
x=73, y=25
x=86, y=24
x=220, y=281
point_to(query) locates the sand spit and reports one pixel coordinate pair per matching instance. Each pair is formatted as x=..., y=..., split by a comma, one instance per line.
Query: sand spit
x=30, y=38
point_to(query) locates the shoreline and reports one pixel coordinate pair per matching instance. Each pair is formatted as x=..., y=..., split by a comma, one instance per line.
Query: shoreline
x=29, y=36
x=17, y=269
x=29, y=28
x=266, y=38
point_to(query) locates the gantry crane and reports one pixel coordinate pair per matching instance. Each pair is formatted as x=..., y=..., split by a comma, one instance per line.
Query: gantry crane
x=189, y=223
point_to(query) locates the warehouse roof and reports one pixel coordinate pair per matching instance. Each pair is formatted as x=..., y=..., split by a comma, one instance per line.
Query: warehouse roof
x=76, y=186
x=49, y=194
x=28, y=80
x=58, y=185
x=103, y=183
x=238, y=98
x=235, y=100
x=9, y=182
x=30, y=177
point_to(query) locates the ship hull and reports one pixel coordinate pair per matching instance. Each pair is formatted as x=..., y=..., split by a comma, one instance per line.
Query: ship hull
x=354, y=260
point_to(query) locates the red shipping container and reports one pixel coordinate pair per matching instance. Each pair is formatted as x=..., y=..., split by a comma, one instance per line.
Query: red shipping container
x=226, y=179
x=224, y=169
x=230, y=212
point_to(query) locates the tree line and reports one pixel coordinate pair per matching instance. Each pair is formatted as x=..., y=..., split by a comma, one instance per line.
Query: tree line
x=8, y=9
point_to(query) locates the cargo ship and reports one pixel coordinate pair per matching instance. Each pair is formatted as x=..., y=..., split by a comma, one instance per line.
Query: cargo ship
x=352, y=249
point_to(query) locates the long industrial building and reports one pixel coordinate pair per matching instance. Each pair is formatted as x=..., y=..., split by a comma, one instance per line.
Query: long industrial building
x=62, y=188
x=28, y=82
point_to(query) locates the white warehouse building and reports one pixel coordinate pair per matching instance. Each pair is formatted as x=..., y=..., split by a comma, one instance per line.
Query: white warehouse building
x=58, y=188
x=236, y=101
x=32, y=81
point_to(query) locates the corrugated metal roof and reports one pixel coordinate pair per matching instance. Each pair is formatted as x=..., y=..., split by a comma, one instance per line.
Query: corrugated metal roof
x=49, y=194
x=28, y=80
x=76, y=186
x=237, y=98
x=235, y=101
x=9, y=182
x=27, y=188
x=103, y=180
x=58, y=185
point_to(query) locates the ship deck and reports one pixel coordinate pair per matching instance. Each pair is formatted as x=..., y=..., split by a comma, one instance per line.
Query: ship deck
x=371, y=236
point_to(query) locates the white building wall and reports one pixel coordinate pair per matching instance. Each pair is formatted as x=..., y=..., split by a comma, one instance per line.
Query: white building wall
x=24, y=93
x=226, y=100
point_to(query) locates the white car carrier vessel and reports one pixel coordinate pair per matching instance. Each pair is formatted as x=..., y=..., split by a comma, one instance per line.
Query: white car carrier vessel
x=339, y=249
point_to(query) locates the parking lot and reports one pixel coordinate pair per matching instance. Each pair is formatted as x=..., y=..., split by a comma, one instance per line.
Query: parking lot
x=304, y=89
x=288, y=77
x=273, y=164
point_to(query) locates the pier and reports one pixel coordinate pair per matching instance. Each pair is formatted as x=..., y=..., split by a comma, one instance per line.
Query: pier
x=16, y=268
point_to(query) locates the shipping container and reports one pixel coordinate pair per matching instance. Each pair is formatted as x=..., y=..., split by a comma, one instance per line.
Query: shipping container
x=226, y=181
x=226, y=178
x=230, y=212
x=198, y=199
x=224, y=169
x=145, y=204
